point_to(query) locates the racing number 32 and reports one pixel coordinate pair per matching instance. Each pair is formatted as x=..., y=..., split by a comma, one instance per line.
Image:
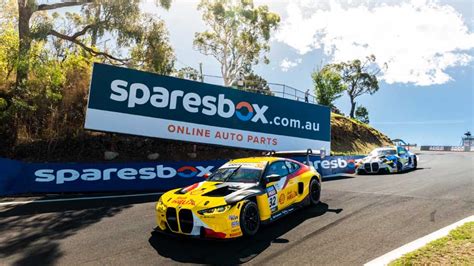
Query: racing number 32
x=272, y=198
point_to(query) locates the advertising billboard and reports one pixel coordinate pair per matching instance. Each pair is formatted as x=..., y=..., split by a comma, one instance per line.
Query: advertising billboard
x=133, y=102
x=18, y=177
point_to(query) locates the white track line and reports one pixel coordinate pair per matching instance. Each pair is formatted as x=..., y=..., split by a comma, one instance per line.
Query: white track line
x=76, y=199
x=414, y=245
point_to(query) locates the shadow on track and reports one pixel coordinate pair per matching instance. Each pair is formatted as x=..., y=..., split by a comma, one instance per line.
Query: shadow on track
x=335, y=178
x=236, y=251
x=31, y=232
x=389, y=174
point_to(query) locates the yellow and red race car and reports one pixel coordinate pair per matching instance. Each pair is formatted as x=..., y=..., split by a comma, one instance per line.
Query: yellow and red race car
x=238, y=197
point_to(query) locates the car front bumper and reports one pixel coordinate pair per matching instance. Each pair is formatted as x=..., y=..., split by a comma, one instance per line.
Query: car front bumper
x=224, y=225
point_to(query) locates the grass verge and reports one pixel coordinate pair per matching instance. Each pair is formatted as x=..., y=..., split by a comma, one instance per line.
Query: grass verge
x=457, y=248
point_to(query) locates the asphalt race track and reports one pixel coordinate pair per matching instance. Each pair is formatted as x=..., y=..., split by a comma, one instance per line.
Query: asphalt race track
x=358, y=220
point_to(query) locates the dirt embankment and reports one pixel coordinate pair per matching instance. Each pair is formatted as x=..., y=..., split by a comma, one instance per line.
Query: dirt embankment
x=348, y=137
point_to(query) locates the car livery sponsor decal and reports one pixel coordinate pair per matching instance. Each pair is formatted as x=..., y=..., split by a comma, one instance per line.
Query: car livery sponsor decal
x=259, y=165
x=291, y=194
x=281, y=199
x=282, y=213
x=272, y=198
x=184, y=201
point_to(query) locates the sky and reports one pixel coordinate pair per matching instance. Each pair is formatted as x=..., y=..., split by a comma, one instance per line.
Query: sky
x=426, y=93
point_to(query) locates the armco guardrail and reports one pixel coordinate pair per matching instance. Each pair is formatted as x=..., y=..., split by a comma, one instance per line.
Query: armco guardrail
x=447, y=148
x=17, y=177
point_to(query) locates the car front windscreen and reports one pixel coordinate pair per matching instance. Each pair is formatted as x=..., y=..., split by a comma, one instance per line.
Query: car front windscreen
x=384, y=152
x=236, y=174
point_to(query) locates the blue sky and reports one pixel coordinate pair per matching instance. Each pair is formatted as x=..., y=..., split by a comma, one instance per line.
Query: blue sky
x=426, y=96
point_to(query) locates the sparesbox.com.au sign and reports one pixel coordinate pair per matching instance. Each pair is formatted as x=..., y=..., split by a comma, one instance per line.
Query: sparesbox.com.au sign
x=133, y=102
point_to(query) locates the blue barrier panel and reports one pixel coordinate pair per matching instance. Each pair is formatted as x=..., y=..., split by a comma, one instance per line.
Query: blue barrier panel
x=332, y=166
x=12, y=181
x=21, y=178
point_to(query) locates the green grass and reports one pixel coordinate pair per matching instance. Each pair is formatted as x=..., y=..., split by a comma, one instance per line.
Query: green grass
x=457, y=248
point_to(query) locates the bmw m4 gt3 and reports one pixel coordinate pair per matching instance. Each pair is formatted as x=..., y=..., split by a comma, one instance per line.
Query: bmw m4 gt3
x=238, y=197
x=387, y=160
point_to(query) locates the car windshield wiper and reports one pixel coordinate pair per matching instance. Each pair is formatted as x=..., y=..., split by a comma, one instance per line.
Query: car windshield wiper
x=233, y=173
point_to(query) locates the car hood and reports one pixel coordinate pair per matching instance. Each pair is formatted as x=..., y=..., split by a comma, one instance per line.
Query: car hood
x=210, y=194
x=377, y=159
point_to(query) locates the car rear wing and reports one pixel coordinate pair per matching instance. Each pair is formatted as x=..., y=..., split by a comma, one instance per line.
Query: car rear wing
x=308, y=153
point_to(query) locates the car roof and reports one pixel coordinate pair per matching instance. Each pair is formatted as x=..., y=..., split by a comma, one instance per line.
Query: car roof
x=386, y=148
x=261, y=159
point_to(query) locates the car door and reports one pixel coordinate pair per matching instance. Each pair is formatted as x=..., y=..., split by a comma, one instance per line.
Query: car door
x=276, y=190
x=403, y=155
x=291, y=189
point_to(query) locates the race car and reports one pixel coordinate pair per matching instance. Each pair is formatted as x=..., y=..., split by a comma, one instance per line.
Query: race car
x=387, y=160
x=236, y=199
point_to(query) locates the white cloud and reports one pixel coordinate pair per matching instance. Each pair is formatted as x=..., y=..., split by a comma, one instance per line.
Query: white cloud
x=286, y=64
x=419, y=39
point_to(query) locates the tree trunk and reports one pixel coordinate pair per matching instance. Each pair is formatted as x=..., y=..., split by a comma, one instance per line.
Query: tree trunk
x=24, y=14
x=94, y=36
x=353, y=105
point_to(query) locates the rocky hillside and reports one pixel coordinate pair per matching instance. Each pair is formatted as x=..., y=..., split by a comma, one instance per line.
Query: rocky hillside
x=349, y=136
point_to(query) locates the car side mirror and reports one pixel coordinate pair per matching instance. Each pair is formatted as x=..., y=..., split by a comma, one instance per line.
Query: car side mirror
x=273, y=178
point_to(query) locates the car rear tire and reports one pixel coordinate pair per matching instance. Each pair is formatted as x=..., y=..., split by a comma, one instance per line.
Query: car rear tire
x=314, y=192
x=249, y=218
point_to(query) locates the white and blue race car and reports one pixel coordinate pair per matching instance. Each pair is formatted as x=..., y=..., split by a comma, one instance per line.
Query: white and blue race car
x=387, y=160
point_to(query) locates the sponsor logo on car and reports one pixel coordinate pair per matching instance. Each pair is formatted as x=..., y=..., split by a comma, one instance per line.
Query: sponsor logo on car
x=281, y=200
x=291, y=195
x=184, y=201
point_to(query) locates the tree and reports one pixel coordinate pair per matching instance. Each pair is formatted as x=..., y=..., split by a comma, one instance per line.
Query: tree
x=239, y=34
x=153, y=52
x=188, y=73
x=327, y=86
x=362, y=114
x=253, y=83
x=120, y=19
x=359, y=77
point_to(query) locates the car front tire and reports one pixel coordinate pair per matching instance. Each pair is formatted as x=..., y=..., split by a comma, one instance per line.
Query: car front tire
x=314, y=192
x=361, y=172
x=399, y=167
x=249, y=218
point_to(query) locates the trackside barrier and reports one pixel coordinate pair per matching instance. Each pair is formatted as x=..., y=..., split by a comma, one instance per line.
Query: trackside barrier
x=17, y=177
x=447, y=148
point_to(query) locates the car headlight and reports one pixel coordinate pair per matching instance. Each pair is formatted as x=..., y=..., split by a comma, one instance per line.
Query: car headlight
x=215, y=210
x=160, y=205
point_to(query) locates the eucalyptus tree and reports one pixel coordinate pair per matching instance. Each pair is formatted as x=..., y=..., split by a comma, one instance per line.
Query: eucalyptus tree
x=238, y=35
x=91, y=20
x=359, y=77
